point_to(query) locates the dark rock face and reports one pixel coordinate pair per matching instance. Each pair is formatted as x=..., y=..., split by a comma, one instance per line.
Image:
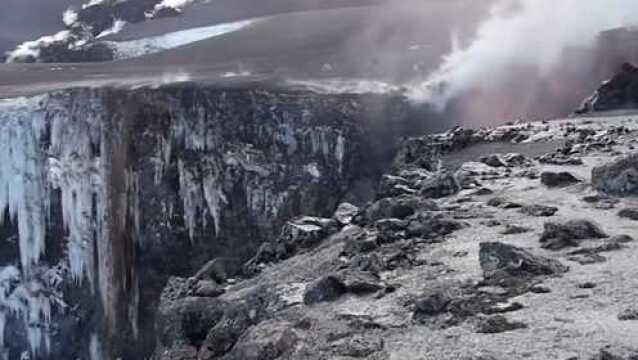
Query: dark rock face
x=620, y=92
x=191, y=173
x=497, y=259
x=618, y=178
x=558, y=236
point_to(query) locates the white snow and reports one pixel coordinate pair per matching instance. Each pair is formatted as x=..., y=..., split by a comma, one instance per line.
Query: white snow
x=173, y=4
x=92, y=3
x=69, y=17
x=32, y=48
x=118, y=25
x=151, y=45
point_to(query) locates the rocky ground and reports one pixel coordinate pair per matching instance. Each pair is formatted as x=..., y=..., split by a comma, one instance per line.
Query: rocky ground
x=524, y=253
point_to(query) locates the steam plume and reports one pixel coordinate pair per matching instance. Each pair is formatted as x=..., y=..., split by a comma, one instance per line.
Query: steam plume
x=523, y=34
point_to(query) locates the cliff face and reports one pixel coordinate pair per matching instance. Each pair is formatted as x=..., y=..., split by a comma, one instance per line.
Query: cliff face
x=105, y=193
x=618, y=93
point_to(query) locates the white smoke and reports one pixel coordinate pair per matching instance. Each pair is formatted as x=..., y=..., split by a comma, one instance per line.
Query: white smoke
x=523, y=34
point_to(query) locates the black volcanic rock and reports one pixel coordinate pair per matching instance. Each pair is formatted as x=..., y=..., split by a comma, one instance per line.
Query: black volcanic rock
x=502, y=259
x=620, y=92
x=619, y=177
x=557, y=236
x=552, y=179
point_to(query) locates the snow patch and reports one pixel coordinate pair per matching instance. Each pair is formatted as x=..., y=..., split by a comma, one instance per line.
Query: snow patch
x=31, y=49
x=152, y=45
x=346, y=86
x=118, y=25
x=69, y=17
x=177, y=5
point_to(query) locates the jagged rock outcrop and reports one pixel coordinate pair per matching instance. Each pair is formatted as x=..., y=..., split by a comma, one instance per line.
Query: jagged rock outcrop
x=620, y=92
x=407, y=275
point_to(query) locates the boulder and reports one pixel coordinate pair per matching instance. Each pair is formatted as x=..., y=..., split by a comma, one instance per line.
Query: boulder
x=332, y=286
x=392, y=186
x=619, y=177
x=345, y=213
x=429, y=225
x=268, y=340
x=433, y=304
x=441, y=184
x=498, y=259
x=560, y=179
x=493, y=160
x=558, y=236
x=629, y=213
x=223, y=336
x=390, y=230
x=398, y=207
x=358, y=346
x=296, y=235
x=187, y=320
x=213, y=270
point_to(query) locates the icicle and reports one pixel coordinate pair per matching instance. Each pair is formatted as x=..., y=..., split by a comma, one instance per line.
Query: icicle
x=22, y=181
x=95, y=348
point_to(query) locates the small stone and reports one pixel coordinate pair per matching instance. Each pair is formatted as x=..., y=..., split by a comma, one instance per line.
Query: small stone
x=514, y=229
x=503, y=203
x=628, y=314
x=587, y=285
x=498, y=324
x=539, y=210
x=617, y=353
x=587, y=259
x=540, y=289
x=621, y=239
x=493, y=160
x=431, y=305
x=504, y=308
x=358, y=346
x=629, y=213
